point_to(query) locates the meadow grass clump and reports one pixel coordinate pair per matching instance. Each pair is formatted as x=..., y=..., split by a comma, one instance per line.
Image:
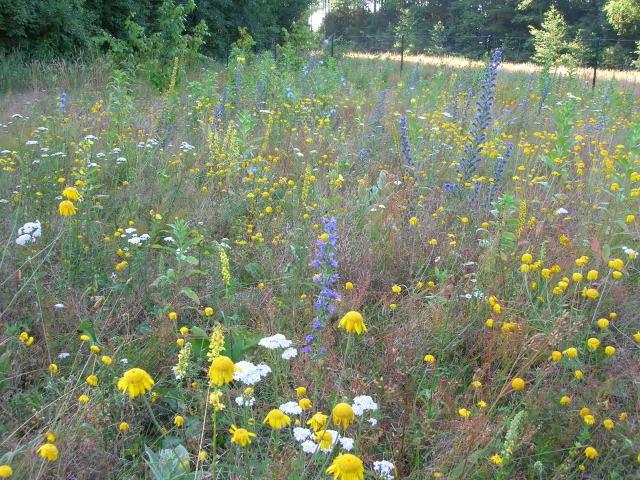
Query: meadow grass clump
x=267, y=271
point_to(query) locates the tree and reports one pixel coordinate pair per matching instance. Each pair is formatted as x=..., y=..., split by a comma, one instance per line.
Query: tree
x=623, y=15
x=550, y=41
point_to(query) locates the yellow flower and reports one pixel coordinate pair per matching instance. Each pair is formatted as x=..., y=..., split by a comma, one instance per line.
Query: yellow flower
x=221, y=370
x=67, y=208
x=83, y=398
x=489, y=323
x=92, y=380
x=5, y=471
x=53, y=368
x=318, y=421
x=50, y=437
x=348, y=286
x=636, y=337
x=71, y=193
x=135, y=382
x=396, y=289
x=346, y=467
x=84, y=338
x=464, y=413
x=49, y=452
x=121, y=266
x=343, y=415
x=301, y=391
x=496, y=459
x=578, y=374
x=123, y=426
x=591, y=453
x=526, y=258
x=476, y=384
x=565, y=400
x=277, y=419
x=570, y=352
x=325, y=439
x=589, y=419
x=178, y=421
x=413, y=221
x=592, y=275
x=603, y=323
x=428, y=358
x=202, y=455
x=593, y=344
x=609, y=350
x=208, y=311
x=94, y=348
x=172, y=316
x=106, y=360
x=353, y=322
x=608, y=424
x=241, y=436
x=630, y=218
x=305, y=404
x=517, y=383
x=556, y=356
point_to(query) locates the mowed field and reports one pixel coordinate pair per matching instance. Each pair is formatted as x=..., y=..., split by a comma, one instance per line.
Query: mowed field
x=320, y=268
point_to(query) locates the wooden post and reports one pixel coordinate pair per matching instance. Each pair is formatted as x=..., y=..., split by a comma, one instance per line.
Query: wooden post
x=595, y=64
x=401, y=53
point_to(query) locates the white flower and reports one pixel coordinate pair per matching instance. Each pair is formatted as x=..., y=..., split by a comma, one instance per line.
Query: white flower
x=275, y=341
x=291, y=408
x=63, y=355
x=131, y=230
x=29, y=232
x=250, y=374
x=384, y=468
x=561, y=211
x=309, y=447
x=289, y=353
x=124, y=361
x=373, y=422
x=31, y=142
x=301, y=434
x=245, y=402
x=58, y=306
x=363, y=403
x=346, y=443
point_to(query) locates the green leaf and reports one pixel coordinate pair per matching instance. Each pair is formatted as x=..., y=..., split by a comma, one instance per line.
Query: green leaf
x=191, y=295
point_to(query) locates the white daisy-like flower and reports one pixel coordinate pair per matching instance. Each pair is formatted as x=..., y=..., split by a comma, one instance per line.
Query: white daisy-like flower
x=373, y=422
x=291, y=408
x=275, y=341
x=289, y=353
x=362, y=403
x=301, y=434
x=250, y=374
x=385, y=469
x=28, y=233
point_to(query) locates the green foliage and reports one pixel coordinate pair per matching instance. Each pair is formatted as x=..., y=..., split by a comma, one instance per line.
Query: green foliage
x=623, y=15
x=551, y=40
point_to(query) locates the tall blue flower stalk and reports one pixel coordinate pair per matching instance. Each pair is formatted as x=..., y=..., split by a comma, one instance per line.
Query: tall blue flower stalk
x=62, y=102
x=498, y=171
x=404, y=142
x=482, y=120
x=325, y=276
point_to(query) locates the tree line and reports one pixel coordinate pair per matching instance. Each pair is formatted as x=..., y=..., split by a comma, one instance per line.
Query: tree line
x=47, y=29
x=573, y=32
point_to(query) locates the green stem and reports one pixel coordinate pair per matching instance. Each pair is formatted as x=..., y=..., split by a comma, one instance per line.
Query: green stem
x=150, y=410
x=213, y=445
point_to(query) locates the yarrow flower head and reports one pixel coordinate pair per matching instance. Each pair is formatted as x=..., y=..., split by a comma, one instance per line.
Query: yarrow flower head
x=275, y=341
x=250, y=374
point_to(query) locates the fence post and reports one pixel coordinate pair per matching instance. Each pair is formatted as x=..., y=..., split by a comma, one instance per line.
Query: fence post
x=401, y=53
x=275, y=50
x=595, y=64
x=332, y=51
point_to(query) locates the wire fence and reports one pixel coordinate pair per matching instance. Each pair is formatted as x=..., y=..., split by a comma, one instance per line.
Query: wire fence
x=594, y=52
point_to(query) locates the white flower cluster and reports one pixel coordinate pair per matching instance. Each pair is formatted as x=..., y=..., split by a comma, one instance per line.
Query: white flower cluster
x=385, y=469
x=250, y=374
x=308, y=445
x=291, y=408
x=279, y=341
x=362, y=403
x=243, y=401
x=29, y=232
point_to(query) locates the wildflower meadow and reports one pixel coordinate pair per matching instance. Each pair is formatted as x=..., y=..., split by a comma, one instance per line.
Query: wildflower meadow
x=314, y=266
